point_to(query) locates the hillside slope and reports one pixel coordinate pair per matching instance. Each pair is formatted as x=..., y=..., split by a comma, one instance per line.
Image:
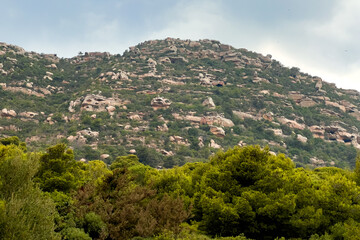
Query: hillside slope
x=172, y=101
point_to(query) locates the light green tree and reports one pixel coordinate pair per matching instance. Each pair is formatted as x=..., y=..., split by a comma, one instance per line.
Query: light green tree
x=25, y=212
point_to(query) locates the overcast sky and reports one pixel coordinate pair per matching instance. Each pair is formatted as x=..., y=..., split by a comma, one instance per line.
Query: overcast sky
x=321, y=37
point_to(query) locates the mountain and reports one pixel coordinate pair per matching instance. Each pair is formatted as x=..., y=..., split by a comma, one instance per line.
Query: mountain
x=174, y=101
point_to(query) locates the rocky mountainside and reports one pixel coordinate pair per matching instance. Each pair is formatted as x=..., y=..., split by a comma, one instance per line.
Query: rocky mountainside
x=172, y=101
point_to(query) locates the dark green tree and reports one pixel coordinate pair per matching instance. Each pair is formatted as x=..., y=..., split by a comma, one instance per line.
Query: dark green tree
x=59, y=171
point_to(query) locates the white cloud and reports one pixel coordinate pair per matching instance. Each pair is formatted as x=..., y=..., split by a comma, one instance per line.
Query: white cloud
x=197, y=20
x=343, y=24
x=345, y=77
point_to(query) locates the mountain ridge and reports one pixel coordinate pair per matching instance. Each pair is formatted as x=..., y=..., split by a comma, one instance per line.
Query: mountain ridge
x=184, y=98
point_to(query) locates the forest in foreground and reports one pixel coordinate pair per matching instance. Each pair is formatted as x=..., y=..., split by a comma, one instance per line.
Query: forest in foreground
x=243, y=193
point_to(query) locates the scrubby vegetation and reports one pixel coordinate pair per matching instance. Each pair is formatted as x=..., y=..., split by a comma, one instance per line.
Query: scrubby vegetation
x=100, y=104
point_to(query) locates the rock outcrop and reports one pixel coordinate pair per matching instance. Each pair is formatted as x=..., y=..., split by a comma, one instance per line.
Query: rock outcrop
x=98, y=103
x=209, y=102
x=291, y=123
x=160, y=103
x=8, y=113
x=179, y=140
x=213, y=144
x=217, y=131
x=217, y=120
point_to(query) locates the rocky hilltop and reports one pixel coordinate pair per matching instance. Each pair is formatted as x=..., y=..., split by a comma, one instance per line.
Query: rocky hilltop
x=172, y=101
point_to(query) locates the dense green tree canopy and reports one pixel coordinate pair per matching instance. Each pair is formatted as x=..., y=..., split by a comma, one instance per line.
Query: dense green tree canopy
x=59, y=171
x=25, y=212
x=241, y=193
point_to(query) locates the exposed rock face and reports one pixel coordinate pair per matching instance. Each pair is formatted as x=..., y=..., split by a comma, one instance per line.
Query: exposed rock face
x=317, y=162
x=32, y=139
x=317, y=131
x=28, y=114
x=346, y=137
x=301, y=138
x=335, y=104
x=318, y=84
x=111, y=109
x=201, y=141
x=121, y=75
x=296, y=96
x=217, y=120
x=172, y=49
x=98, y=103
x=179, y=140
x=355, y=114
x=205, y=79
x=241, y=143
x=172, y=82
x=48, y=76
x=213, y=144
x=27, y=91
x=163, y=60
x=278, y=132
x=53, y=65
x=49, y=120
x=206, y=120
x=80, y=136
x=104, y=156
x=339, y=134
x=275, y=94
x=232, y=57
x=29, y=85
x=291, y=123
x=243, y=115
x=194, y=44
x=333, y=129
x=152, y=64
x=217, y=131
x=159, y=102
x=193, y=119
x=135, y=116
x=166, y=153
x=162, y=128
x=257, y=79
x=8, y=113
x=209, y=102
x=73, y=104
x=88, y=132
x=307, y=102
x=94, y=103
x=210, y=80
x=268, y=116
x=301, y=99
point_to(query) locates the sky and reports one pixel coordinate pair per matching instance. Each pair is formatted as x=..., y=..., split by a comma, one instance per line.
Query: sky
x=321, y=37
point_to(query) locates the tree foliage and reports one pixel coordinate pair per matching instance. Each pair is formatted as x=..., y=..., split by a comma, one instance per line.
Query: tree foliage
x=25, y=212
x=241, y=193
x=59, y=170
